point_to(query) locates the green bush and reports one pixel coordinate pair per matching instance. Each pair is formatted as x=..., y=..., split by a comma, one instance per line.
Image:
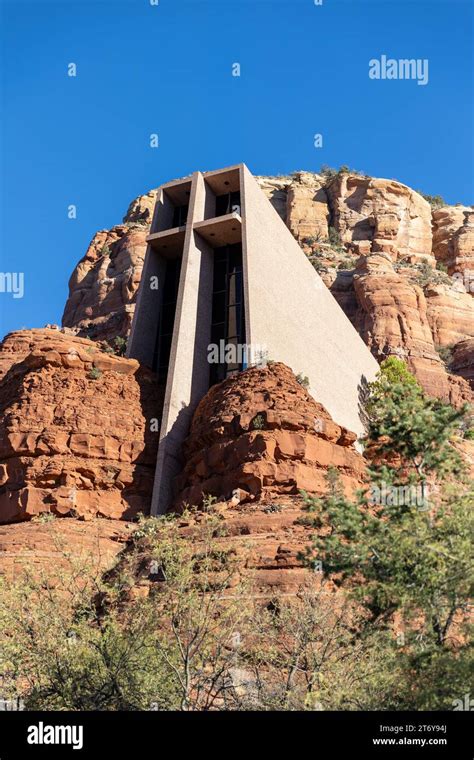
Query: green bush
x=303, y=380
x=258, y=422
x=445, y=354
x=435, y=201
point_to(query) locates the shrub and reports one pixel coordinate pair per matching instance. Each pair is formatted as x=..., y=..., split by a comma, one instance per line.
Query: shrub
x=435, y=201
x=45, y=517
x=303, y=380
x=120, y=345
x=317, y=264
x=95, y=373
x=258, y=422
x=329, y=172
x=76, y=640
x=348, y=263
x=424, y=274
x=445, y=353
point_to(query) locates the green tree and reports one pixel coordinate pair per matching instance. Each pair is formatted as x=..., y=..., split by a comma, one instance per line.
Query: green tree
x=408, y=560
x=409, y=427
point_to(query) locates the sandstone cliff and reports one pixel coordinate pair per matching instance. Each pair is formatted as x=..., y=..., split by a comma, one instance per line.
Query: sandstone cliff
x=76, y=444
x=75, y=436
x=338, y=218
x=76, y=440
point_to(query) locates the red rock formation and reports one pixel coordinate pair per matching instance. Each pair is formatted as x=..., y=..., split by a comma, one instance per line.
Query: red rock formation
x=463, y=360
x=261, y=432
x=395, y=219
x=75, y=436
x=35, y=546
x=103, y=286
x=453, y=241
x=450, y=314
x=307, y=211
x=392, y=319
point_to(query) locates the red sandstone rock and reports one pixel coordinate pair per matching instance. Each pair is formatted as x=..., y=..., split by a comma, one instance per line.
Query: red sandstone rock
x=307, y=212
x=103, y=286
x=75, y=438
x=393, y=218
x=453, y=239
x=463, y=360
x=261, y=431
x=450, y=314
x=35, y=547
x=392, y=319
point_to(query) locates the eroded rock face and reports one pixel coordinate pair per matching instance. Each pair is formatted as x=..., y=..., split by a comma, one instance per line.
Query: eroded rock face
x=395, y=219
x=307, y=210
x=261, y=432
x=463, y=360
x=103, y=287
x=36, y=547
x=450, y=314
x=453, y=241
x=75, y=429
x=141, y=209
x=392, y=319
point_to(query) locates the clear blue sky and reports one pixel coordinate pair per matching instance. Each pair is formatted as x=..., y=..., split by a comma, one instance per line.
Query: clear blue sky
x=166, y=69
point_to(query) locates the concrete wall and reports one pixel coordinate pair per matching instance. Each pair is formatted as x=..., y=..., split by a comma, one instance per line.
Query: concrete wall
x=290, y=310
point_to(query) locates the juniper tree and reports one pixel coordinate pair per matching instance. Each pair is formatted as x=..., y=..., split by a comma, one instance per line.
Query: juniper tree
x=400, y=560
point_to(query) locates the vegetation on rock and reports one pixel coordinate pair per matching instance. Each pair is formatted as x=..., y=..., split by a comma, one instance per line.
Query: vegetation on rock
x=407, y=560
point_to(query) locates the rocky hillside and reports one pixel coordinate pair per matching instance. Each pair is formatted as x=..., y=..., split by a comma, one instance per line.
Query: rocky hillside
x=76, y=444
x=398, y=268
x=76, y=437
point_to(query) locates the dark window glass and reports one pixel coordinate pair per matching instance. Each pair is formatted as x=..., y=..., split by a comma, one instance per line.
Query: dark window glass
x=228, y=321
x=220, y=274
x=218, y=333
x=227, y=203
x=222, y=204
x=218, y=304
x=180, y=214
x=166, y=317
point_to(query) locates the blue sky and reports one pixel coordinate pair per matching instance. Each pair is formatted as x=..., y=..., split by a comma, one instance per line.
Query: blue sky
x=167, y=69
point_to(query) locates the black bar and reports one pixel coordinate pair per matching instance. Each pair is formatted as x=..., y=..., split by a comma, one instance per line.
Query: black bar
x=151, y=734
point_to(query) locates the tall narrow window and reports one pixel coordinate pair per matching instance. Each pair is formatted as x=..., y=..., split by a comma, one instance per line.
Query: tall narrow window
x=164, y=335
x=228, y=318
